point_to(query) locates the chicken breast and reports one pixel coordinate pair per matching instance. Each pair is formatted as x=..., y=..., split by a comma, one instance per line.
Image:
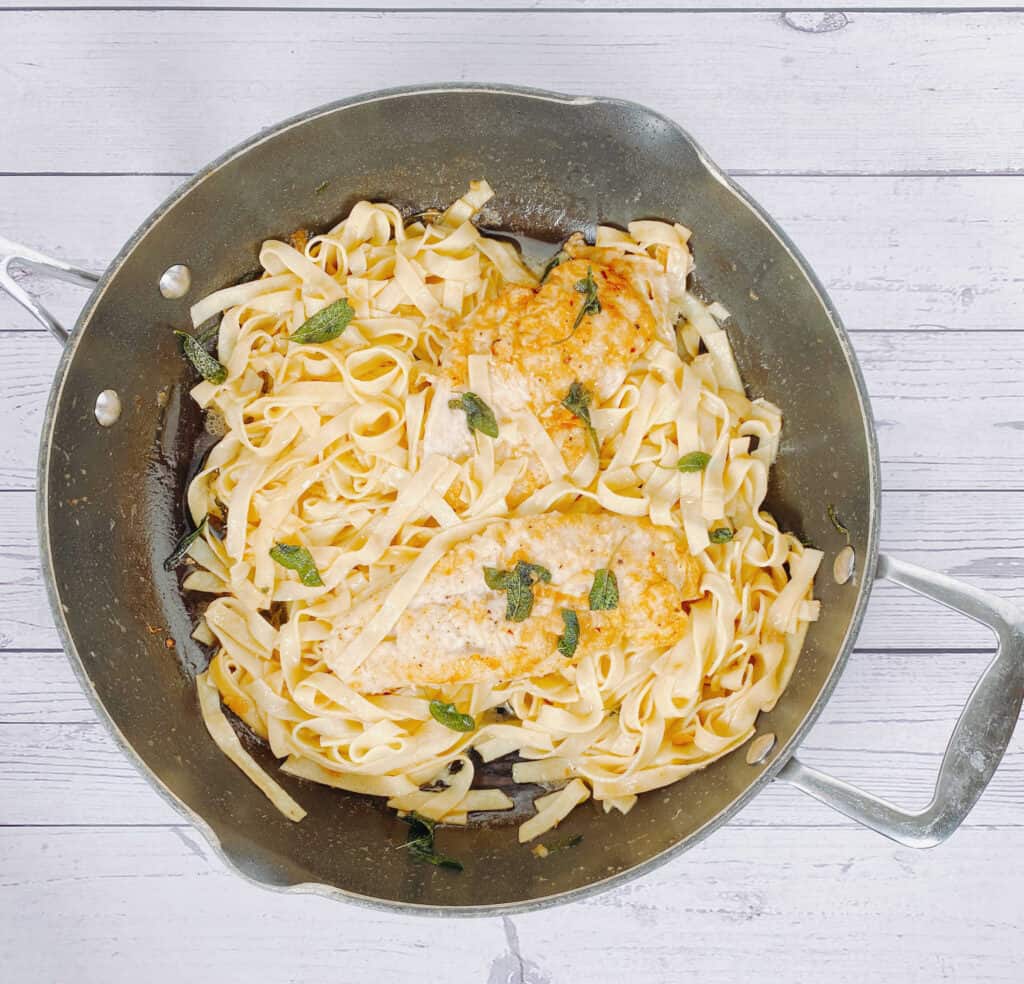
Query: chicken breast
x=535, y=353
x=457, y=630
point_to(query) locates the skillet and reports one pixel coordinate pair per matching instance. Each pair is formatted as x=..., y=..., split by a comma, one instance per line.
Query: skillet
x=119, y=445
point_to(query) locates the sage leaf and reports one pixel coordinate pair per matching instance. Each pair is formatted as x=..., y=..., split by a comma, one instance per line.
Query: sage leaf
x=568, y=642
x=325, y=325
x=297, y=559
x=577, y=402
x=591, y=302
x=448, y=715
x=497, y=580
x=208, y=335
x=420, y=842
x=519, y=600
x=604, y=595
x=518, y=587
x=479, y=415
x=721, y=535
x=203, y=363
x=531, y=573
x=181, y=547
x=551, y=264
x=586, y=286
x=695, y=461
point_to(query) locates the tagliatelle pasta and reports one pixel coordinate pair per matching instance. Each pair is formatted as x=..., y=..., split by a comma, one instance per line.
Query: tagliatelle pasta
x=356, y=453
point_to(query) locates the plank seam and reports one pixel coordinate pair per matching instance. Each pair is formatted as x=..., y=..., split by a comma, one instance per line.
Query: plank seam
x=910, y=9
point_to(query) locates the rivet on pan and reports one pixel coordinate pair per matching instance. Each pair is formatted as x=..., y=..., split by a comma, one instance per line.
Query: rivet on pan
x=176, y=281
x=108, y=408
x=844, y=564
x=758, y=749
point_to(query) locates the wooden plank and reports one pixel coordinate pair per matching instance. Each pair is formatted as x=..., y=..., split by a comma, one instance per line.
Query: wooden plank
x=977, y=536
x=41, y=688
x=162, y=90
x=883, y=728
x=906, y=253
x=947, y=405
x=72, y=774
x=119, y=904
x=771, y=905
x=787, y=907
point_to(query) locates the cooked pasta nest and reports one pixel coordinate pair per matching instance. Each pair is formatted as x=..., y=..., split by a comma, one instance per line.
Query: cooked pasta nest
x=358, y=492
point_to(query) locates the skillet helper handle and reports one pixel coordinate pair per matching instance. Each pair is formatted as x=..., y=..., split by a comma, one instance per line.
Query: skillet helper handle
x=979, y=738
x=14, y=254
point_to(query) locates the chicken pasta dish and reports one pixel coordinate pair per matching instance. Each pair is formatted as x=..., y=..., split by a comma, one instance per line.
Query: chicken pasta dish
x=461, y=509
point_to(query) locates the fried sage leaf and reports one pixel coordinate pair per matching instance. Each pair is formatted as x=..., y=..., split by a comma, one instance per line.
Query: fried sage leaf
x=551, y=264
x=181, y=547
x=531, y=573
x=497, y=580
x=695, y=461
x=518, y=587
x=325, y=325
x=208, y=335
x=568, y=642
x=519, y=600
x=591, y=302
x=577, y=402
x=297, y=559
x=449, y=716
x=203, y=363
x=586, y=286
x=420, y=842
x=479, y=415
x=604, y=595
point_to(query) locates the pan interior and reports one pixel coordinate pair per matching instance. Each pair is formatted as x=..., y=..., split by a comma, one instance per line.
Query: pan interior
x=113, y=502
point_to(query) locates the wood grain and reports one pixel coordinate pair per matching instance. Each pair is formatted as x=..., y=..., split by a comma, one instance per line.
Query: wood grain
x=795, y=99
x=122, y=904
x=881, y=245
x=877, y=906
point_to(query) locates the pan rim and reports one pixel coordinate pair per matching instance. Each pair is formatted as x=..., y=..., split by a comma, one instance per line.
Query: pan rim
x=867, y=567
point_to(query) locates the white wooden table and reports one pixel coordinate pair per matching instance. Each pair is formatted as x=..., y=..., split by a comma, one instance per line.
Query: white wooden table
x=890, y=144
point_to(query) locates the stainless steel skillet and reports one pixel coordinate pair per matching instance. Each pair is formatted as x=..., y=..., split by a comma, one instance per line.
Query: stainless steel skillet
x=110, y=497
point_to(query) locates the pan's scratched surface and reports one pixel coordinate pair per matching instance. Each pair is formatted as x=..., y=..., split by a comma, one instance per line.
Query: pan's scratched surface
x=917, y=253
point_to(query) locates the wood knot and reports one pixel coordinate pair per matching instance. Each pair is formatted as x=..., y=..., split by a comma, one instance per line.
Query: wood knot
x=815, y=21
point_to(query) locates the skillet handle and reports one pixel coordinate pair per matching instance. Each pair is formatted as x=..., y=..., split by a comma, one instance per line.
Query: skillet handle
x=979, y=738
x=12, y=254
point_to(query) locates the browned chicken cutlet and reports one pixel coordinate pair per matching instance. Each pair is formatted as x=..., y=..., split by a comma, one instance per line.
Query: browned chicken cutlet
x=538, y=345
x=455, y=629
